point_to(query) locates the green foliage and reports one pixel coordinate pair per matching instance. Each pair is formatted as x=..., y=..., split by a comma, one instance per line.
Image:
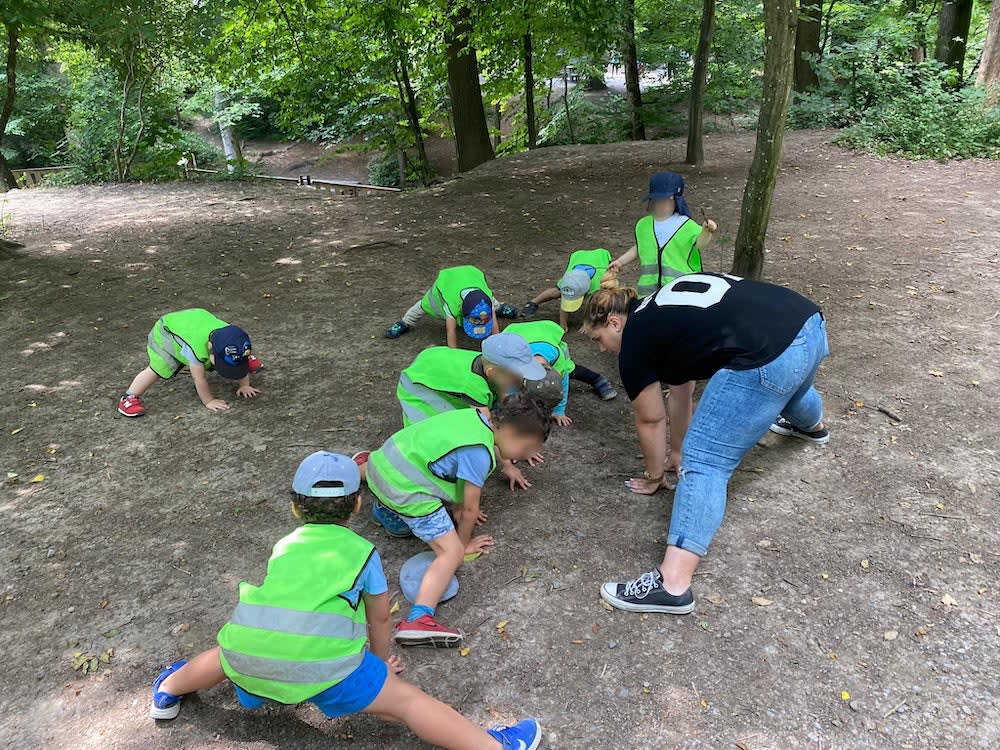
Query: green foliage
x=594, y=120
x=383, y=169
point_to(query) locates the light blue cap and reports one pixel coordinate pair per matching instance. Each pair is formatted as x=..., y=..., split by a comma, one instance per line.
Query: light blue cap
x=512, y=352
x=323, y=466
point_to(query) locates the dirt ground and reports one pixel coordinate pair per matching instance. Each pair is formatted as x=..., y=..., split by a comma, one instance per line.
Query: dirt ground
x=878, y=553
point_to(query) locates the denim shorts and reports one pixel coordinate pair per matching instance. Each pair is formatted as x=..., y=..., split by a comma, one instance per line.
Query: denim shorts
x=425, y=528
x=355, y=693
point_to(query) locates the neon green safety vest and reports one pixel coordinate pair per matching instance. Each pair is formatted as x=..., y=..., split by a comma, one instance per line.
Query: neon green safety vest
x=439, y=380
x=546, y=332
x=661, y=265
x=598, y=260
x=190, y=326
x=444, y=299
x=296, y=634
x=399, y=473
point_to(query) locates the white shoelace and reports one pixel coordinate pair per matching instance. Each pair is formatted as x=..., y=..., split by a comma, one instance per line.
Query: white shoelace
x=642, y=585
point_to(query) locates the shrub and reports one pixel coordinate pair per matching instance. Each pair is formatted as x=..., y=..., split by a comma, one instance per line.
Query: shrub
x=383, y=169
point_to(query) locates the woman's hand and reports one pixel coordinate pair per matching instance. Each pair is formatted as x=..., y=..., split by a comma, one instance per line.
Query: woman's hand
x=562, y=420
x=483, y=544
x=395, y=664
x=247, y=391
x=643, y=486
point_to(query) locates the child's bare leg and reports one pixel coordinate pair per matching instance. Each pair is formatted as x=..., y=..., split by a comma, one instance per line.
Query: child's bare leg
x=201, y=673
x=450, y=552
x=433, y=721
x=546, y=295
x=143, y=381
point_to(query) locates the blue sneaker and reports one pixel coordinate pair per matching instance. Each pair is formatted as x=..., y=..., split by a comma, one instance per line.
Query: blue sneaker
x=165, y=705
x=525, y=735
x=392, y=523
x=396, y=330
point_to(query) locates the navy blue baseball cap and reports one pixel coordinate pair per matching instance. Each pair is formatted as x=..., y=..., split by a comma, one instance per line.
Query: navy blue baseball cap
x=668, y=185
x=231, y=347
x=477, y=314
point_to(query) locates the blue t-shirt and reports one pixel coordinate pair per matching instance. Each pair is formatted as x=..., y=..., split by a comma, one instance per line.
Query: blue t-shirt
x=471, y=463
x=371, y=582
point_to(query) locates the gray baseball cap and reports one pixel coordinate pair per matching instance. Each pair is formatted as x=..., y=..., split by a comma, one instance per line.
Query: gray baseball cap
x=323, y=466
x=512, y=352
x=573, y=287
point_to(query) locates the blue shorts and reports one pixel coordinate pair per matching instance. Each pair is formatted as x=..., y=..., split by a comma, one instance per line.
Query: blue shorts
x=355, y=693
x=425, y=528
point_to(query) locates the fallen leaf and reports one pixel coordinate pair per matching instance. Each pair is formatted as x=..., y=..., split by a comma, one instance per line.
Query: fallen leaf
x=11, y=475
x=38, y=478
x=936, y=373
x=607, y=606
x=14, y=432
x=858, y=404
x=844, y=695
x=974, y=382
x=949, y=601
x=464, y=651
x=713, y=598
x=890, y=635
x=577, y=642
x=502, y=625
x=977, y=559
x=761, y=601
x=181, y=628
x=865, y=564
x=104, y=603
x=765, y=543
x=394, y=608
x=704, y=703
x=825, y=576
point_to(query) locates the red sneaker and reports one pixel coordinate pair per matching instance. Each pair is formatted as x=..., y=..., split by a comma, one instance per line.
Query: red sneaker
x=361, y=457
x=131, y=406
x=426, y=631
x=255, y=364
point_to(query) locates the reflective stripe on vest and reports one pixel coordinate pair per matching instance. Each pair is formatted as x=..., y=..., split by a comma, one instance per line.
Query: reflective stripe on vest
x=398, y=462
x=435, y=302
x=413, y=395
x=155, y=341
x=279, y=619
x=294, y=672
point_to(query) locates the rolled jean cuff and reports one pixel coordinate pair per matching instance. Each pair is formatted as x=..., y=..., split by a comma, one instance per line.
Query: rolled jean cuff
x=687, y=544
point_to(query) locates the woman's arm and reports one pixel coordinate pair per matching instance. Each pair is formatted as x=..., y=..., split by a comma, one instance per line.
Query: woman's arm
x=651, y=424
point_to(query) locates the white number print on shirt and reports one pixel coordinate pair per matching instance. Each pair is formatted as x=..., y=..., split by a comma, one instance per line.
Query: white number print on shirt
x=712, y=290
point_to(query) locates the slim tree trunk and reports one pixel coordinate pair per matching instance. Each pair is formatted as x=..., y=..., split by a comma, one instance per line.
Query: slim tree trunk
x=989, y=65
x=569, y=114
x=8, y=103
x=230, y=146
x=529, y=89
x=953, y=32
x=631, y=60
x=472, y=137
x=807, y=44
x=408, y=101
x=779, y=30
x=699, y=76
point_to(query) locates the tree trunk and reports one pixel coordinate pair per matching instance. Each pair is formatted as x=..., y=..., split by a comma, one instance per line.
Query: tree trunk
x=529, y=89
x=569, y=115
x=699, y=76
x=807, y=44
x=408, y=100
x=631, y=60
x=989, y=65
x=230, y=146
x=8, y=103
x=472, y=137
x=779, y=30
x=953, y=32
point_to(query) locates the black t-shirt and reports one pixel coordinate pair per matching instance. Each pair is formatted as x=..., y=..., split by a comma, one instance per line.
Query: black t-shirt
x=703, y=322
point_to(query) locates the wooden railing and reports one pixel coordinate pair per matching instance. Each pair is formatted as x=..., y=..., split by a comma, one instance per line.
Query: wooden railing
x=30, y=178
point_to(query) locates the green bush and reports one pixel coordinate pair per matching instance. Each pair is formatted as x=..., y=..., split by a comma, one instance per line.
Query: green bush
x=383, y=169
x=600, y=120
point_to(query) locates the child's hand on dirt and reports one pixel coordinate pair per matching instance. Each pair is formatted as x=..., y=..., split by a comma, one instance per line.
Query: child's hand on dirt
x=517, y=480
x=217, y=404
x=482, y=518
x=562, y=420
x=247, y=391
x=711, y=226
x=395, y=664
x=538, y=458
x=481, y=544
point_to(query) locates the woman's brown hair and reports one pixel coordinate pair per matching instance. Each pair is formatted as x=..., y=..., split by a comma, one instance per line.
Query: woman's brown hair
x=610, y=299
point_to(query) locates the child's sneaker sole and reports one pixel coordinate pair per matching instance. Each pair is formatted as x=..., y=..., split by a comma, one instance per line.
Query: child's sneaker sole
x=131, y=416
x=170, y=712
x=437, y=640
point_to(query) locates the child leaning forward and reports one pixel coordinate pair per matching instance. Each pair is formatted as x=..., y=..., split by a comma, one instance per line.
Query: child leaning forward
x=317, y=629
x=442, y=463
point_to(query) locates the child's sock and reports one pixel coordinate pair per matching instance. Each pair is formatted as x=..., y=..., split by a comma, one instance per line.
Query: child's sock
x=419, y=610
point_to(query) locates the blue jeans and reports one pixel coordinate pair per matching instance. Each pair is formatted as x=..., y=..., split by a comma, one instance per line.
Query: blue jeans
x=735, y=411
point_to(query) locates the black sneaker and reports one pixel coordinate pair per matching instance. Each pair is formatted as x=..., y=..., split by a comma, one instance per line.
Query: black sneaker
x=604, y=389
x=782, y=426
x=506, y=311
x=646, y=594
x=529, y=309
